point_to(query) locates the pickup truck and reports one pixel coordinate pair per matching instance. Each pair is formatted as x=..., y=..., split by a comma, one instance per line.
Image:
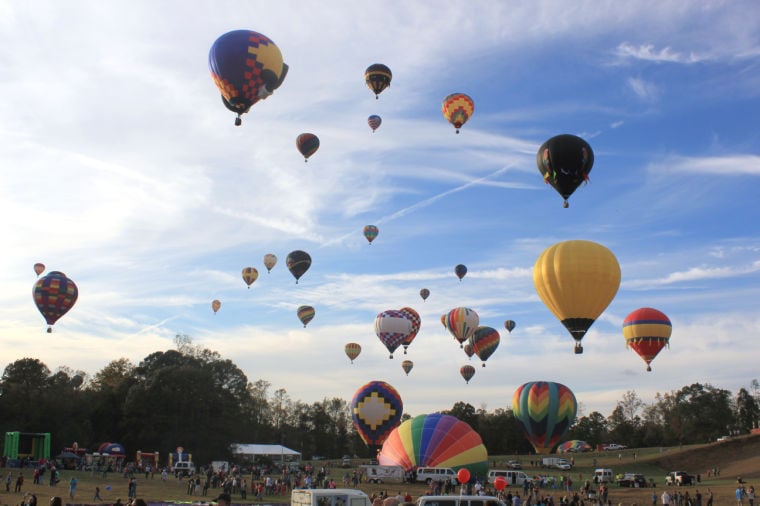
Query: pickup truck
x=613, y=446
x=679, y=478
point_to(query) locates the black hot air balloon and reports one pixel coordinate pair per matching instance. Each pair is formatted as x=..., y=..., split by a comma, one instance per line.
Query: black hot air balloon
x=298, y=263
x=565, y=161
x=378, y=77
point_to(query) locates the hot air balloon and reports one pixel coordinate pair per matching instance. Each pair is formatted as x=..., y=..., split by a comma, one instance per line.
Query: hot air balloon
x=392, y=328
x=457, y=109
x=545, y=410
x=574, y=446
x=647, y=331
x=407, y=365
x=460, y=270
x=376, y=410
x=54, y=294
x=463, y=475
x=565, y=161
x=215, y=305
x=509, y=325
x=374, y=122
x=461, y=322
x=298, y=263
x=305, y=314
x=485, y=340
x=39, y=268
x=500, y=483
x=467, y=372
x=270, y=261
x=370, y=232
x=246, y=67
x=307, y=145
x=250, y=274
x=576, y=280
x=469, y=350
x=414, y=317
x=424, y=293
x=352, y=350
x=435, y=440
x=378, y=77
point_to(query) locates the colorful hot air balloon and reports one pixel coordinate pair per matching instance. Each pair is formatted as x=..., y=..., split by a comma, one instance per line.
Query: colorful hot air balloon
x=374, y=122
x=461, y=322
x=424, y=293
x=39, y=268
x=376, y=410
x=250, y=274
x=457, y=109
x=414, y=317
x=270, y=261
x=215, y=305
x=574, y=446
x=246, y=67
x=545, y=410
x=460, y=270
x=576, y=280
x=485, y=340
x=370, y=232
x=352, y=350
x=509, y=325
x=647, y=331
x=565, y=161
x=54, y=294
x=469, y=350
x=305, y=314
x=307, y=145
x=392, y=328
x=378, y=77
x=435, y=440
x=467, y=372
x=407, y=366
x=298, y=262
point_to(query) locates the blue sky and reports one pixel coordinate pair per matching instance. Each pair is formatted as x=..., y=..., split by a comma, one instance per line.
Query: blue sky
x=121, y=168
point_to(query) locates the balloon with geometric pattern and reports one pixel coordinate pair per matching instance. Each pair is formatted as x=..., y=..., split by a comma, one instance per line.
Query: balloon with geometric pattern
x=457, y=108
x=376, y=410
x=392, y=328
x=546, y=410
x=54, y=294
x=250, y=274
x=485, y=340
x=370, y=233
x=414, y=317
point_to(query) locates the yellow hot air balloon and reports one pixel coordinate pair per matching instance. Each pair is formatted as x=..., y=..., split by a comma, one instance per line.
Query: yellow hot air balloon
x=577, y=280
x=352, y=350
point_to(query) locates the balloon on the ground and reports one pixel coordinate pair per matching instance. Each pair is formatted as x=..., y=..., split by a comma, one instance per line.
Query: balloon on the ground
x=392, y=328
x=509, y=325
x=574, y=446
x=647, y=331
x=460, y=270
x=485, y=340
x=378, y=77
x=376, y=410
x=246, y=67
x=215, y=305
x=500, y=483
x=54, y=294
x=414, y=317
x=250, y=274
x=424, y=293
x=546, y=410
x=457, y=108
x=298, y=262
x=576, y=280
x=270, y=261
x=374, y=122
x=305, y=314
x=307, y=145
x=565, y=162
x=370, y=232
x=435, y=440
x=467, y=372
x=39, y=268
x=461, y=322
x=407, y=366
x=352, y=350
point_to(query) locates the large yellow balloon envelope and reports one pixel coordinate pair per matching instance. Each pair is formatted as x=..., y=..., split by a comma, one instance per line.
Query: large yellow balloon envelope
x=577, y=280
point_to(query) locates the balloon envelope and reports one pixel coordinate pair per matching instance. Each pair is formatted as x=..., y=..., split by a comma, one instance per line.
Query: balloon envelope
x=460, y=270
x=461, y=322
x=352, y=350
x=576, y=280
x=374, y=122
x=435, y=440
x=565, y=162
x=457, y=109
x=647, y=331
x=378, y=77
x=39, y=268
x=467, y=372
x=424, y=293
x=270, y=261
x=54, y=294
x=307, y=144
x=250, y=274
x=370, y=232
x=414, y=317
x=392, y=328
x=574, y=446
x=298, y=263
x=305, y=314
x=545, y=410
x=485, y=340
x=376, y=410
x=215, y=305
x=509, y=325
x=407, y=366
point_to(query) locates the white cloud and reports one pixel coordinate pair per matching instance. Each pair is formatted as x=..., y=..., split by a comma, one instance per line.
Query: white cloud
x=644, y=90
x=647, y=52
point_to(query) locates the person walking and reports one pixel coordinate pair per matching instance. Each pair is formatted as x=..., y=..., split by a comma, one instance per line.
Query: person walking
x=72, y=487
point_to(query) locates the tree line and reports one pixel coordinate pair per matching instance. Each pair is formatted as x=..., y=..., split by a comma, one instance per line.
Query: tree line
x=192, y=397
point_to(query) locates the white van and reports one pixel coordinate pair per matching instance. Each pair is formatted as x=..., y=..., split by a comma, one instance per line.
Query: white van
x=329, y=497
x=603, y=475
x=513, y=477
x=459, y=500
x=184, y=468
x=431, y=474
x=383, y=474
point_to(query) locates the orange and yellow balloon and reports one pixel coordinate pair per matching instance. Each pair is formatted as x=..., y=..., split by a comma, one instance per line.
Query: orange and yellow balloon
x=457, y=108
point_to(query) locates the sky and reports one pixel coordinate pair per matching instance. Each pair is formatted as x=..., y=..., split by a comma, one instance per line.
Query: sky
x=121, y=168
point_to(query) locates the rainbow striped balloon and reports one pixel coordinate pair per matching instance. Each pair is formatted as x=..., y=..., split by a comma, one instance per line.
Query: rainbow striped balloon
x=546, y=410
x=647, y=331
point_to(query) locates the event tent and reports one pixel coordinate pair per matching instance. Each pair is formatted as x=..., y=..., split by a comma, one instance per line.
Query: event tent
x=253, y=450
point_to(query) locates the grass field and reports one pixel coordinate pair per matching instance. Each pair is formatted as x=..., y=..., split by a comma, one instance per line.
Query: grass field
x=739, y=457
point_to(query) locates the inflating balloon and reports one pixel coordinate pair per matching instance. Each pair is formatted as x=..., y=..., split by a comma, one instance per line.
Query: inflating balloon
x=352, y=350
x=270, y=261
x=307, y=145
x=378, y=77
x=392, y=328
x=407, y=366
x=460, y=270
x=374, y=122
x=485, y=340
x=250, y=274
x=305, y=314
x=457, y=109
x=39, y=268
x=54, y=294
x=376, y=410
x=565, y=162
x=414, y=317
x=576, y=280
x=574, y=446
x=509, y=325
x=246, y=67
x=467, y=372
x=424, y=293
x=647, y=331
x=435, y=440
x=461, y=322
x=370, y=232
x=215, y=305
x=298, y=262
x=545, y=410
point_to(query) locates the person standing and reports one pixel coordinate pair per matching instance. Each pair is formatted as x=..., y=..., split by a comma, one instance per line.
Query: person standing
x=751, y=495
x=19, y=482
x=72, y=487
x=97, y=494
x=665, y=498
x=740, y=493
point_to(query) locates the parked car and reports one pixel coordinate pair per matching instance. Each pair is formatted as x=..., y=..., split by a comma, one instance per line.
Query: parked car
x=514, y=464
x=723, y=438
x=613, y=446
x=632, y=480
x=679, y=478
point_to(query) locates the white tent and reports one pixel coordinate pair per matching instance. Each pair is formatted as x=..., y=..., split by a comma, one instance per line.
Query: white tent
x=252, y=450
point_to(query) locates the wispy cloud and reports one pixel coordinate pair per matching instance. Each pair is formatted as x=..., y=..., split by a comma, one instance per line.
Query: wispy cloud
x=743, y=164
x=697, y=274
x=647, y=52
x=645, y=90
